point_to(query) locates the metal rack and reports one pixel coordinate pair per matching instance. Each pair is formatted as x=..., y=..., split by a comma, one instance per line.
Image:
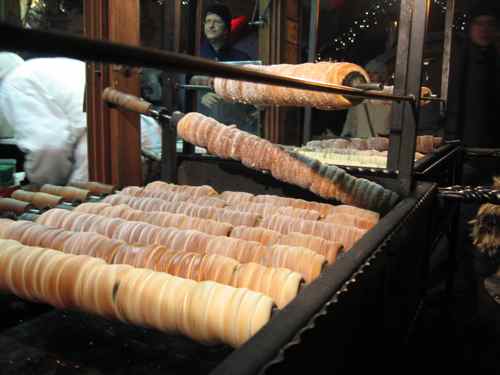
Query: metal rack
x=406, y=93
x=56, y=44
x=324, y=318
x=384, y=269
x=16, y=38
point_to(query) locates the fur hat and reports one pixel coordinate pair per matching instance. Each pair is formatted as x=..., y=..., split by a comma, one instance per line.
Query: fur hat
x=223, y=12
x=8, y=62
x=486, y=228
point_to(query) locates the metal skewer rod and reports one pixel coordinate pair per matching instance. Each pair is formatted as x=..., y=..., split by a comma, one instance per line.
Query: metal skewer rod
x=135, y=104
x=372, y=86
x=167, y=121
x=432, y=99
x=195, y=87
x=57, y=44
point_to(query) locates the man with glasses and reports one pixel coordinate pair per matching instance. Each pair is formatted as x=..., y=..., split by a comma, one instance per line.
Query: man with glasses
x=217, y=28
x=216, y=45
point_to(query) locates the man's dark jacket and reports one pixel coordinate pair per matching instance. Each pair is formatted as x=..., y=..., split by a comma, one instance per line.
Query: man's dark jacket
x=226, y=53
x=473, y=113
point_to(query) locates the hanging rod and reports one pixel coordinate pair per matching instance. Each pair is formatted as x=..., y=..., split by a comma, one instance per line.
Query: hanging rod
x=470, y=194
x=57, y=44
x=134, y=104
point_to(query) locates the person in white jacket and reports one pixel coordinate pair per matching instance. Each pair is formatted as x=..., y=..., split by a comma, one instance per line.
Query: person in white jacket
x=42, y=101
x=8, y=62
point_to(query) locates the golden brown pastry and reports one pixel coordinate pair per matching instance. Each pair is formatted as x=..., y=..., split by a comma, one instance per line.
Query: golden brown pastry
x=258, y=234
x=205, y=311
x=351, y=220
x=39, y=200
x=194, y=191
x=332, y=232
x=329, y=249
x=253, y=276
x=94, y=187
x=68, y=193
x=262, y=94
x=308, y=263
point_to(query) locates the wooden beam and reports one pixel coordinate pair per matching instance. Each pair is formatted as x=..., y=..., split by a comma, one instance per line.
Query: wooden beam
x=279, y=43
x=114, y=136
x=10, y=11
x=126, y=166
x=97, y=114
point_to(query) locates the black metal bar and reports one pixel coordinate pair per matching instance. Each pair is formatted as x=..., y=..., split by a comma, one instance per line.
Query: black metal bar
x=414, y=82
x=268, y=344
x=416, y=11
x=158, y=113
x=482, y=152
x=448, y=37
x=369, y=86
x=470, y=194
x=188, y=148
x=435, y=160
x=168, y=150
x=168, y=124
x=57, y=44
x=313, y=40
x=400, y=82
x=407, y=152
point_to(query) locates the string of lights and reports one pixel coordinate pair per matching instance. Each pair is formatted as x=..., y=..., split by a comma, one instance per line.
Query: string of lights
x=373, y=16
x=369, y=19
x=461, y=20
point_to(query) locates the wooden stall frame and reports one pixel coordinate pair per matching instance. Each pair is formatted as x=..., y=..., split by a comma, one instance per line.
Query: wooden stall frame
x=113, y=136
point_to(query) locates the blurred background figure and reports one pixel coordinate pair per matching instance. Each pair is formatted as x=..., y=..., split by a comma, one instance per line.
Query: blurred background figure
x=151, y=85
x=473, y=107
x=8, y=62
x=473, y=117
x=371, y=118
x=42, y=102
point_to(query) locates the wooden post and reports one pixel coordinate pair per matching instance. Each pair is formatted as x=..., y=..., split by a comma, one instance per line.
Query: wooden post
x=10, y=11
x=114, y=136
x=279, y=43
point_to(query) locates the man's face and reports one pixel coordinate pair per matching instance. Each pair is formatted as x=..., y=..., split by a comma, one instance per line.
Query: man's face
x=214, y=27
x=483, y=30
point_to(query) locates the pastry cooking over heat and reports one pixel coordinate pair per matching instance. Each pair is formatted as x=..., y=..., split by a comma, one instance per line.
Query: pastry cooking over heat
x=262, y=94
x=193, y=191
x=213, y=274
x=206, y=311
x=346, y=235
x=162, y=219
x=329, y=182
x=224, y=215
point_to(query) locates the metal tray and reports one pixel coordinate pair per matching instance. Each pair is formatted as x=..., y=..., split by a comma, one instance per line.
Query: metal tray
x=373, y=291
